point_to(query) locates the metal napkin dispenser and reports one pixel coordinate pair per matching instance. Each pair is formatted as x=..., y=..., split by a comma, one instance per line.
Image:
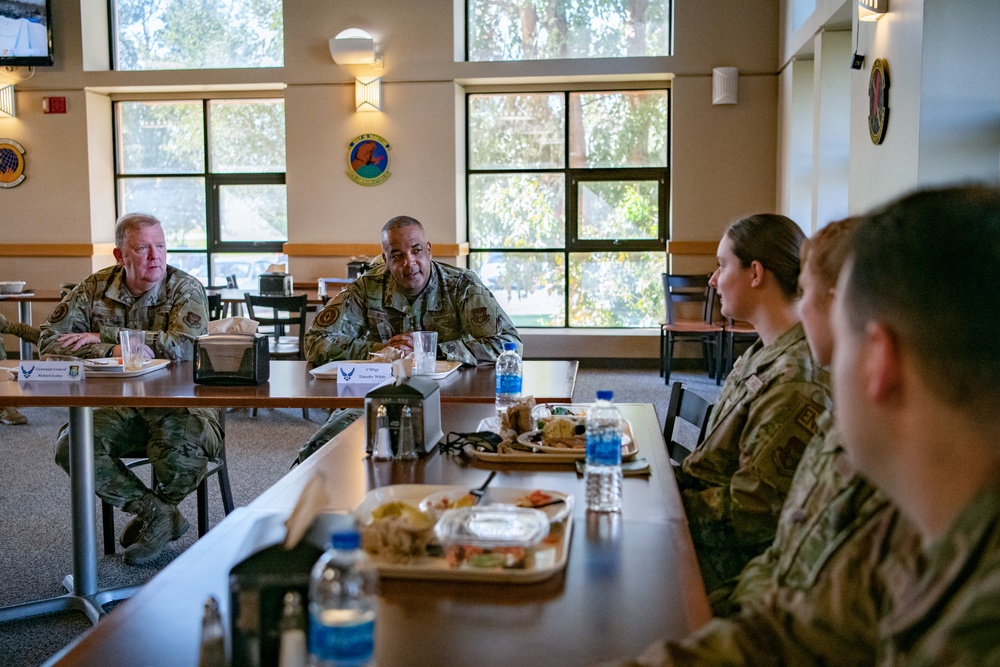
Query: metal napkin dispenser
x=275, y=284
x=231, y=359
x=424, y=398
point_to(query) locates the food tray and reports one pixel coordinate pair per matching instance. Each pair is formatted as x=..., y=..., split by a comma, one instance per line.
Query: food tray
x=93, y=368
x=630, y=449
x=549, y=558
x=442, y=369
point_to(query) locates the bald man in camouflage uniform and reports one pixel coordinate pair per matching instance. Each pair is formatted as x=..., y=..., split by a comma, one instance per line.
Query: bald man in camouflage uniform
x=10, y=414
x=141, y=292
x=408, y=292
x=734, y=483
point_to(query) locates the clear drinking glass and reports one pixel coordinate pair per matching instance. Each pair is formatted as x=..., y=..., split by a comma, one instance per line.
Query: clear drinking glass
x=133, y=341
x=424, y=352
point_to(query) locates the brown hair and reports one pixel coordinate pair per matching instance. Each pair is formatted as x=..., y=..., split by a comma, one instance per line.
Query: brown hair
x=826, y=252
x=773, y=240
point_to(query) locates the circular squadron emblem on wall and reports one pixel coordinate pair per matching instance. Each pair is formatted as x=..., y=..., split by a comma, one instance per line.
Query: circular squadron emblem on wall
x=368, y=159
x=878, y=101
x=11, y=163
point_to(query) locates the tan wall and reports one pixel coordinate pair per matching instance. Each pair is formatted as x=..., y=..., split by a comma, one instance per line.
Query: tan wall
x=723, y=157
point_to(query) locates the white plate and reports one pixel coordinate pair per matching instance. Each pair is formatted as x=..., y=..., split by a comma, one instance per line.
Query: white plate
x=110, y=364
x=433, y=503
x=551, y=454
x=526, y=439
x=549, y=557
x=117, y=370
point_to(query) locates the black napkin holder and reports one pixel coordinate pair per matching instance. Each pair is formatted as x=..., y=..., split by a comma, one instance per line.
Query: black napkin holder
x=231, y=359
x=424, y=398
x=275, y=284
x=258, y=583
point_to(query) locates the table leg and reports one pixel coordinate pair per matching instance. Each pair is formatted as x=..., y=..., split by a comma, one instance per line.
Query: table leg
x=24, y=317
x=83, y=594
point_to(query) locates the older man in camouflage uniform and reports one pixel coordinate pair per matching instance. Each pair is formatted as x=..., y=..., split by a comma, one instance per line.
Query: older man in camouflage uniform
x=10, y=414
x=734, y=483
x=140, y=292
x=408, y=292
x=918, y=415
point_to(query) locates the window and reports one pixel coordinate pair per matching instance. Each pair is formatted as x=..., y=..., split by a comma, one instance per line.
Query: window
x=567, y=205
x=213, y=172
x=181, y=34
x=557, y=29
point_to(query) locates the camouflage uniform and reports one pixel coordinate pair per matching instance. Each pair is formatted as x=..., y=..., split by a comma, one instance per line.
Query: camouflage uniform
x=178, y=441
x=881, y=599
x=827, y=502
x=948, y=608
x=734, y=483
x=23, y=331
x=471, y=326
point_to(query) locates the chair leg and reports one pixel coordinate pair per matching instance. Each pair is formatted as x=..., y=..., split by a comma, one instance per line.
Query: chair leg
x=253, y=412
x=668, y=359
x=663, y=349
x=108, y=521
x=202, y=493
x=305, y=413
x=719, y=371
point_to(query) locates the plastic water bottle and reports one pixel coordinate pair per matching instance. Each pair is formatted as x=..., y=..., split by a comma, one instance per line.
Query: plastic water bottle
x=509, y=370
x=342, y=605
x=603, y=470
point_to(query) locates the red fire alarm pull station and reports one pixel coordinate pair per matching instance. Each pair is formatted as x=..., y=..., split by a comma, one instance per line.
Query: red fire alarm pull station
x=54, y=104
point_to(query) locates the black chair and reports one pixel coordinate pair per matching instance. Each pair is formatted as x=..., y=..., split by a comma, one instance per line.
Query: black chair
x=215, y=467
x=216, y=309
x=690, y=289
x=286, y=312
x=690, y=407
x=736, y=332
x=231, y=282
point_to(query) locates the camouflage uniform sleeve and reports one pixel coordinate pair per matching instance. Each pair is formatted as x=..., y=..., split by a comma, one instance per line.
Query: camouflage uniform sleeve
x=188, y=320
x=71, y=315
x=340, y=330
x=484, y=324
x=745, y=510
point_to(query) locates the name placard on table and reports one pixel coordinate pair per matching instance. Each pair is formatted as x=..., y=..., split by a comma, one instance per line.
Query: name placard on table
x=30, y=371
x=363, y=372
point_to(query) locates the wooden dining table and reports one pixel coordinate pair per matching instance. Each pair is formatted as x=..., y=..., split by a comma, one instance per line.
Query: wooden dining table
x=630, y=578
x=290, y=386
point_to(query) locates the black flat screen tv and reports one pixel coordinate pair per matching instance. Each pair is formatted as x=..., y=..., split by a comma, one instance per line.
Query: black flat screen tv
x=25, y=33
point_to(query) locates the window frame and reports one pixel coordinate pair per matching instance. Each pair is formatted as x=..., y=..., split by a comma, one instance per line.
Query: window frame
x=212, y=181
x=574, y=175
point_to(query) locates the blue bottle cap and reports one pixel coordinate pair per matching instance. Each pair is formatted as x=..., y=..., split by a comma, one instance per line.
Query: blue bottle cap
x=509, y=346
x=605, y=394
x=345, y=539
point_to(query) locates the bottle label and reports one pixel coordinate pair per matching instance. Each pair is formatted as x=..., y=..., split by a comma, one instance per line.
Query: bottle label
x=348, y=644
x=508, y=384
x=604, y=448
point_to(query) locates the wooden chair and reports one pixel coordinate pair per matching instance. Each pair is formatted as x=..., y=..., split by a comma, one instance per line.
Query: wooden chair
x=690, y=289
x=215, y=467
x=690, y=407
x=286, y=312
x=735, y=331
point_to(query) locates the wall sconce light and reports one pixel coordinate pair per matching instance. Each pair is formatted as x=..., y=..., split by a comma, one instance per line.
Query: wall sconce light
x=872, y=10
x=368, y=93
x=7, y=109
x=355, y=47
x=725, y=81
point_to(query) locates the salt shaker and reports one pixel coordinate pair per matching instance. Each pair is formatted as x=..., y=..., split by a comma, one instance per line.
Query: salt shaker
x=321, y=288
x=383, y=443
x=407, y=447
x=213, y=636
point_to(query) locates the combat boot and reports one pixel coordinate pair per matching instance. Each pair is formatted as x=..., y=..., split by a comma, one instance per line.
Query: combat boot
x=178, y=526
x=10, y=415
x=156, y=515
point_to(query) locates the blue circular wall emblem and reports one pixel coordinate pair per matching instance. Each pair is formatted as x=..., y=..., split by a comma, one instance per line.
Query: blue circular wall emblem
x=368, y=159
